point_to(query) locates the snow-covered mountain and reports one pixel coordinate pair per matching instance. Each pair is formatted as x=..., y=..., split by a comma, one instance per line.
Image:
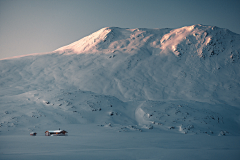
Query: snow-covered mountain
x=184, y=80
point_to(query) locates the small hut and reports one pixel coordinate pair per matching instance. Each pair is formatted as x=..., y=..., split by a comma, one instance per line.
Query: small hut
x=56, y=133
x=33, y=134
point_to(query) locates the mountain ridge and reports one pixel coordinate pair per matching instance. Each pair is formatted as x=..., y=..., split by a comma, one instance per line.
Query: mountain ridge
x=130, y=39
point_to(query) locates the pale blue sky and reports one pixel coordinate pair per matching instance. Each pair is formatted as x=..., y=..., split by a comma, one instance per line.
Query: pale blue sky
x=35, y=26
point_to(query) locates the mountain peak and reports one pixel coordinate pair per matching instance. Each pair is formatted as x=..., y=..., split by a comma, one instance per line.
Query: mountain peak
x=92, y=42
x=108, y=40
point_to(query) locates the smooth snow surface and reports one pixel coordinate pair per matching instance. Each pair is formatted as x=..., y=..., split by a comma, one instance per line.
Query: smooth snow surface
x=126, y=94
x=89, y=142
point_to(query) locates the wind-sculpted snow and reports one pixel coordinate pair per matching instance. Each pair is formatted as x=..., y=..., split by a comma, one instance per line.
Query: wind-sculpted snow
x=182, y=80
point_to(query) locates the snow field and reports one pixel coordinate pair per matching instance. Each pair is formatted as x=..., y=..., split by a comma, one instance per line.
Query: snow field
x=89, y=142
x=36, y=109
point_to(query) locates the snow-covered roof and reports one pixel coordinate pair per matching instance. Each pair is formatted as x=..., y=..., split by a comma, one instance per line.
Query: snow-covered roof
x=55, y=131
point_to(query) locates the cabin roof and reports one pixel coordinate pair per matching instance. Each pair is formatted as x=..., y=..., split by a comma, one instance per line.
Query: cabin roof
x=32, y=132
x=55, y=131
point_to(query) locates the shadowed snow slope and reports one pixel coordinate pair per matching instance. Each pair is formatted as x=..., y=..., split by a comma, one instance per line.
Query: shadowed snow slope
x=185, y=80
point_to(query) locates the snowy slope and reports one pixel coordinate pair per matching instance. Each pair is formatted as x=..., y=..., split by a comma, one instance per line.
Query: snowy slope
x=182, y=80
x=187, y=58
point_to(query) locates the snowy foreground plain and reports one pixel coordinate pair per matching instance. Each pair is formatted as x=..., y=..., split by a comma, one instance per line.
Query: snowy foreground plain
x=126, y=94
x=91, y=142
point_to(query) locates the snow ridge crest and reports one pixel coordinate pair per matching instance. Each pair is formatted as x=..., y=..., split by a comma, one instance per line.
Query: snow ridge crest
x=114, y=39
